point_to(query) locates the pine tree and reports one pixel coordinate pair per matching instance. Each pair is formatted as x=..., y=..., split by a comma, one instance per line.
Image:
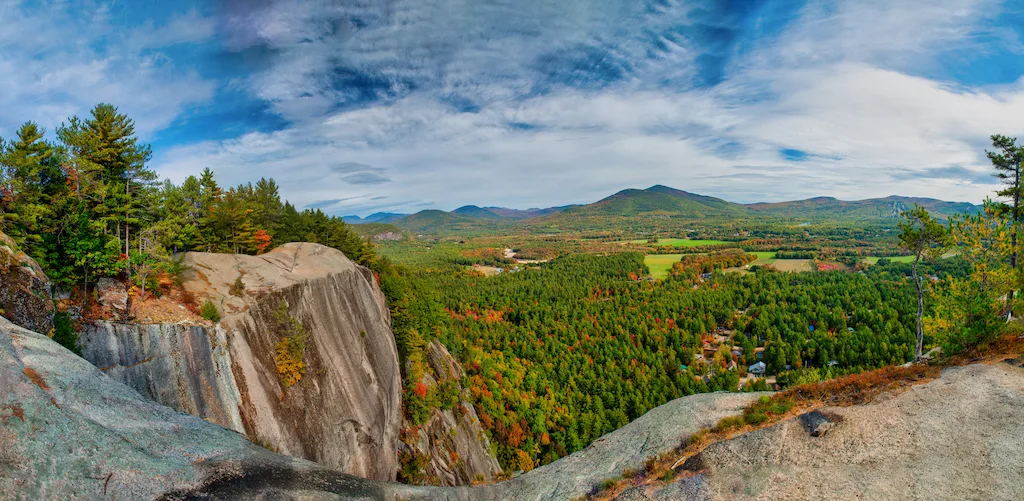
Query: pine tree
x=1007, y=160
x=926, y=238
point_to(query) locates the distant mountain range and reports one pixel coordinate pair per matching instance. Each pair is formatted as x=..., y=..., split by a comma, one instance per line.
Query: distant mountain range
x=663, y=201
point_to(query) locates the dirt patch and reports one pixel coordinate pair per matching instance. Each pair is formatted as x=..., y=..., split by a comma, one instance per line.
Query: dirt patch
x=793, y=264
x=16, y=412
x=36, y=378
x=170, y=308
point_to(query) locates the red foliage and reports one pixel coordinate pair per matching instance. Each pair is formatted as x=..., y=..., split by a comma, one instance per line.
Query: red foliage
x=421, y=390
x=263, y=240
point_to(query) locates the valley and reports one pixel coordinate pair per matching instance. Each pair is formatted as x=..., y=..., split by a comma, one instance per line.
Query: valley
x=476, y=350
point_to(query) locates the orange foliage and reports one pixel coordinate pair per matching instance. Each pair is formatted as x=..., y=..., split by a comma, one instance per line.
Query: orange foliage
x=262, y=239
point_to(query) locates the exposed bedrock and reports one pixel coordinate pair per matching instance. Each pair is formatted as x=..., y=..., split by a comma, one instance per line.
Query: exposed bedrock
x=345, y=411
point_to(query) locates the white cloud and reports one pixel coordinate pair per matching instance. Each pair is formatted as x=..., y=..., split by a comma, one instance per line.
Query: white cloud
x=57, y=62
x=568, y=101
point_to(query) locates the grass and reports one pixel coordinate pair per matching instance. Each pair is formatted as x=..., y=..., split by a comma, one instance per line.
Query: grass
x=659, y=264
x=898, y=259
x=681, y=242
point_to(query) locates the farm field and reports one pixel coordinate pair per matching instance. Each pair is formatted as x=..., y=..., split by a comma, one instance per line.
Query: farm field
x=763, y=258
x=659, y=264
x=895, y=259
x=681, y=242
x=793, y=264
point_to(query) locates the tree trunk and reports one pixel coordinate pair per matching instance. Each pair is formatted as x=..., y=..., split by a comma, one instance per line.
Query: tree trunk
x=920, y=307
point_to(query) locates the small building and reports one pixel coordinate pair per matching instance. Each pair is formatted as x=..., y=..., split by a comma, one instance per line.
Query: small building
x=757, y=369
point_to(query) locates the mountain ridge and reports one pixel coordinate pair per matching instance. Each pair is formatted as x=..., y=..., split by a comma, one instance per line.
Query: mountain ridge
x=664, y=201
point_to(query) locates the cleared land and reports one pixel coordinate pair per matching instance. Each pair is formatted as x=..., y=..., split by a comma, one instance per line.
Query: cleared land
x=659, y=264
x=898, y=259
x=792, y=264
x=763, y=258
x=681, y=242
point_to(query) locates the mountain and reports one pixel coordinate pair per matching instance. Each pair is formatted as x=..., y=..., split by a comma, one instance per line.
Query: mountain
x=435, y=220
x=643, y=209
x=518, y=214
x=477, y=212
x=376, y=217
x=505, y=213
x=873, y=208
x=656, y=201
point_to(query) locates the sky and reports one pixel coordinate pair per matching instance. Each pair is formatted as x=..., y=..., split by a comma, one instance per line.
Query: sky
x=361, y=106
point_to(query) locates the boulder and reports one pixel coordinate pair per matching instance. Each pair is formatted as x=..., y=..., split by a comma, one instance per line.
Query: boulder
x=25, y=292
x=113, y=297
x=817, y=423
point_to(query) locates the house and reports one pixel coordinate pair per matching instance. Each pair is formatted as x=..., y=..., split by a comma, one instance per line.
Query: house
x=757, y=369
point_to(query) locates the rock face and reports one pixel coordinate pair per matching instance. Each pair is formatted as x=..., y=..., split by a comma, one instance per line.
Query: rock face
x=186, y=367
x=25, y=292
x=957, y=437
x=344, y=413
x=659, y=430
x=452, y=440
x=68, y=431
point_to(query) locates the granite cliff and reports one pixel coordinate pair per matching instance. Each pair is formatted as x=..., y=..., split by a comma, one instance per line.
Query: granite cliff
x=344, y=412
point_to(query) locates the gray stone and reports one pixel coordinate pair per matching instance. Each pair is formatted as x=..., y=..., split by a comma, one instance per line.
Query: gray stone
x=817, y=424
x=345, y=413
x=25, y=292
x=113, y=296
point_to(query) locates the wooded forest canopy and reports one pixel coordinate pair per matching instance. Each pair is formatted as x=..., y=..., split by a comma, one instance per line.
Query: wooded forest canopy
x=88, y=206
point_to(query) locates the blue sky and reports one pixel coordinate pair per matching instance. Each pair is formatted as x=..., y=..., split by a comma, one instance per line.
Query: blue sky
x=400, y=105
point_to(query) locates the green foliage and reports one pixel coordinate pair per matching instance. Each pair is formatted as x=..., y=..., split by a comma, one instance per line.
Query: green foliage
x=64, y=332
x=923, y=236
x=89, y=207
x=209, y=311
x=560, y=355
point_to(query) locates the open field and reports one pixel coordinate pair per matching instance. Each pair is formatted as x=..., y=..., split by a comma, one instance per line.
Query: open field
x=897, y=259
x=763, y=258
x=681, y=242
x=793, y=264
x=659, y=264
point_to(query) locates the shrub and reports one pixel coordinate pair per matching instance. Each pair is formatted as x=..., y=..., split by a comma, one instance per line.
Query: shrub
x=64, y=332
x=290, y=353
x=238, y=288
x=209, y=311
x=728, y=423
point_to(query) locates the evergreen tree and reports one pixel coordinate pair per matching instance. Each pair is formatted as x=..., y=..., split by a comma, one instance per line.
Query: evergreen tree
x=925, y=238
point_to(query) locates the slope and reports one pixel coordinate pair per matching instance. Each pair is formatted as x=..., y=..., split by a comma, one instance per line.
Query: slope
x=873, y=208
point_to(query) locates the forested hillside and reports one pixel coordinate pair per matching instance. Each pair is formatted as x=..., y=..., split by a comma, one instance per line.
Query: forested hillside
x=88, y=206
x=560, y=355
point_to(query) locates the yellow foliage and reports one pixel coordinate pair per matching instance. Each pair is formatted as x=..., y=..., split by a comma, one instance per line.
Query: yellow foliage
x=523, y=460
x=289, y=360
